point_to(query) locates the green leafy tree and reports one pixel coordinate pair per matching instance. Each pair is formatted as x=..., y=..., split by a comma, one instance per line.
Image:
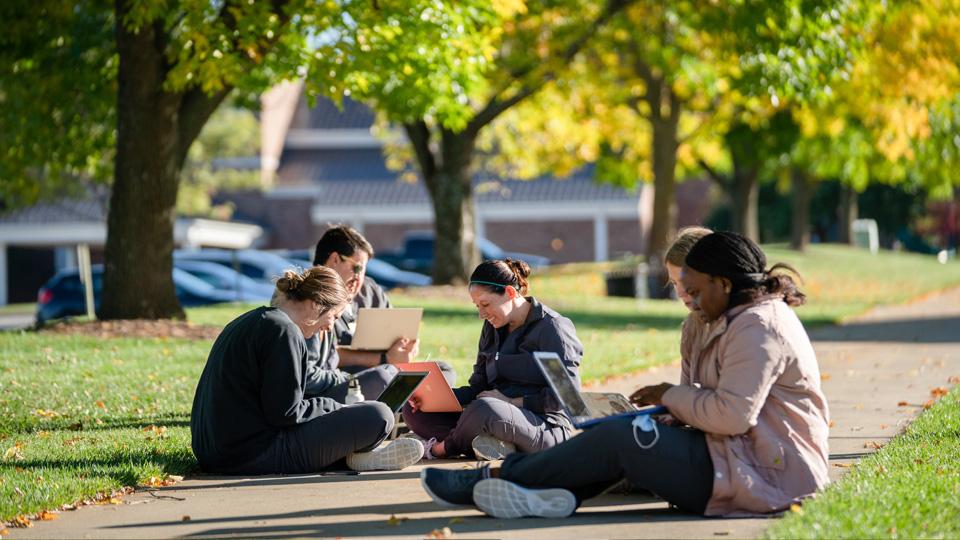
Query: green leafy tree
x=118, y=92
x=444, y=111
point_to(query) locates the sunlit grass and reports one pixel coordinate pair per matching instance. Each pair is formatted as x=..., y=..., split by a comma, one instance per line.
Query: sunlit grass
x=908, y=489
x=74, y=409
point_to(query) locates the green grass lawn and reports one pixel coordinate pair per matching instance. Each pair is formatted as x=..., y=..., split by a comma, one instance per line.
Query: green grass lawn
x=908, y=489
x=73, y=409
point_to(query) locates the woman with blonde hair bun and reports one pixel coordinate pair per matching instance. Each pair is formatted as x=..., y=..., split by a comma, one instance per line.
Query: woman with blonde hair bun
x=250, y=415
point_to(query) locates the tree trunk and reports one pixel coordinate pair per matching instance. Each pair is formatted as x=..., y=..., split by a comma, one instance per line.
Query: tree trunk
x=743, y=187
x=800, y=222
x=847, y=214
x=451, y=192
x=155, y=129
x=665, y=125
x=138, y=281
x=744, y=197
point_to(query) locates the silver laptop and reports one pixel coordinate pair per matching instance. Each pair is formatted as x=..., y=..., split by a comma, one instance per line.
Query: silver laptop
x=378, y=328
x=607, y=406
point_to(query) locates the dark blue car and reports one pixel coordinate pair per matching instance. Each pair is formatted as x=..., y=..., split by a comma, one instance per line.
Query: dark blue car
x=62, y=295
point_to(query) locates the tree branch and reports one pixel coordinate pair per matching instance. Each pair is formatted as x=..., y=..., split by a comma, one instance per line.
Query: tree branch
x=496, y=106
x=418, y=133
x=717, y=177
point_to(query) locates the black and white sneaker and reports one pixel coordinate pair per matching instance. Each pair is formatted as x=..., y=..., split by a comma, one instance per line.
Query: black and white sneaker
x=451, y=487
x=490, y=448
x=506, y=500
x=392, y=456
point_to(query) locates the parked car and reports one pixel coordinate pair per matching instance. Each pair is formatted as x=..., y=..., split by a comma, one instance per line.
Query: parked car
x=63, y=295
x=258, y=265
x=416, y=255
x=227, y=279
x=385, y=274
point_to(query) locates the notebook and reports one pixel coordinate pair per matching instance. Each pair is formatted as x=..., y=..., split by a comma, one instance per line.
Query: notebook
x=378, y=328
x=401, y=387
x=582, y=415
x=434, y=393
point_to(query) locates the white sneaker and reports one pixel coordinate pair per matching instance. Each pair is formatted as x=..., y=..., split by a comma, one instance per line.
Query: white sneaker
x=392, y=456
x=491, y=448
x=428, y=448
x=506, y=500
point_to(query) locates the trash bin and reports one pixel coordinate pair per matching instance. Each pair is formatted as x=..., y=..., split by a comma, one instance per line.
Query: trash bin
x=628, y=282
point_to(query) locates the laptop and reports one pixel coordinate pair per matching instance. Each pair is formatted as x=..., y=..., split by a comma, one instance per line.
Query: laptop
x=582, y=415
x=434, y=393
x=377, y=328
x=400, y=388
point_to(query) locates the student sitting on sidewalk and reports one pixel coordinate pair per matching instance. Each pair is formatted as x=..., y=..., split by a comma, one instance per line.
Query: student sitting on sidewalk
x=758, y=436
x=508, y=404
x=347, y=252
x=250, y=415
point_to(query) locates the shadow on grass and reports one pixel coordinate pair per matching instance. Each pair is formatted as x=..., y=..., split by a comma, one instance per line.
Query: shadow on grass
x=927, y=330
x=121, y=466
x=580, y=318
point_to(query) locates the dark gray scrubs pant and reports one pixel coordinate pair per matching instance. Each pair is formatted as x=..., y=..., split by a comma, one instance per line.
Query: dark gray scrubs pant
x=678, y=468
x=323, y=441
x=529, y=431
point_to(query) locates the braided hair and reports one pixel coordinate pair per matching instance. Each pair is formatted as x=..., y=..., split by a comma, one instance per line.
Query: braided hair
x=737, y=258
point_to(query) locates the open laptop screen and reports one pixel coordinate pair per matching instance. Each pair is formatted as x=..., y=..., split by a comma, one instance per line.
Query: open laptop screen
x=562, y=384
x=400, y=388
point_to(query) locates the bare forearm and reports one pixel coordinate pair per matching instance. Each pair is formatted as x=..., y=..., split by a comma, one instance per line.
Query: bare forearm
x=349, y=357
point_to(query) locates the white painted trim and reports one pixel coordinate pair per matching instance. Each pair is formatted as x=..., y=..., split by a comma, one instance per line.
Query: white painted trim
x=295, y=191
x=318, y=139
x=192, y=233
x=415, y=213
x=3, y=275
x=53, y=234
x=601, y=239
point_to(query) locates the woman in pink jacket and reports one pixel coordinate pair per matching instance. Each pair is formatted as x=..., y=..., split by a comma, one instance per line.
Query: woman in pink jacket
x=755, y=439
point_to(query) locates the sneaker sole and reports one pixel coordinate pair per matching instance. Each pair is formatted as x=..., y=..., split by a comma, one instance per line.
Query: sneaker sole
x=396, y=455
x=492, y=451
x=437, y=500
x=506, y=500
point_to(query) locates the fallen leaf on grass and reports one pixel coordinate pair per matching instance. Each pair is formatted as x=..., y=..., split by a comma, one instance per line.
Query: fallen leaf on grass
x=46, y=413
x=14, y=452
x=43, y=434
x=394, y=520
x=796, y=508
x=928, y=403
x=440, y=533
x=842, y=465
x=46, y=516
x=939, y=392
x=22, y=522
x=99, y=403
x=19, y=492
x=72, y=441
x=872, y=444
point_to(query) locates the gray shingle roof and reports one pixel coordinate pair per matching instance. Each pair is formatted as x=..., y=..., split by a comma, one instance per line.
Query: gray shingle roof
x=93, y=210
x=326, y=115
x=299, y=166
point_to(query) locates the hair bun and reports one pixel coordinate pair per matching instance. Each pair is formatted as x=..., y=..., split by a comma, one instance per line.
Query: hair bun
x=289, y=282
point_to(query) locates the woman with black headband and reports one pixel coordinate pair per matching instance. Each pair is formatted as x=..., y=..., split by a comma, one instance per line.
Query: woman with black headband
x=758, y=421
x=508, y=405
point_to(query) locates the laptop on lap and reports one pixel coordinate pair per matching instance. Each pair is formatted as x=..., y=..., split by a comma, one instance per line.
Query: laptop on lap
x=434, y=393
x=401, y=387
x=606, y=406
x=377, y=328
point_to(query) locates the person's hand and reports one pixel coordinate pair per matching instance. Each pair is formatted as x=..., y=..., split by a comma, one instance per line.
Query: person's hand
x=650, y=395
x=415, y=403
x=403, y=350
x=499, y=395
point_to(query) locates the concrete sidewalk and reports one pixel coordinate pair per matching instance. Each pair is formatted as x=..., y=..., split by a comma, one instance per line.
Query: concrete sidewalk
x=870, y=366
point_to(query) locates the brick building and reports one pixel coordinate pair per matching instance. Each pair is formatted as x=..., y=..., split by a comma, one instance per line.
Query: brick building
x=326, y=167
